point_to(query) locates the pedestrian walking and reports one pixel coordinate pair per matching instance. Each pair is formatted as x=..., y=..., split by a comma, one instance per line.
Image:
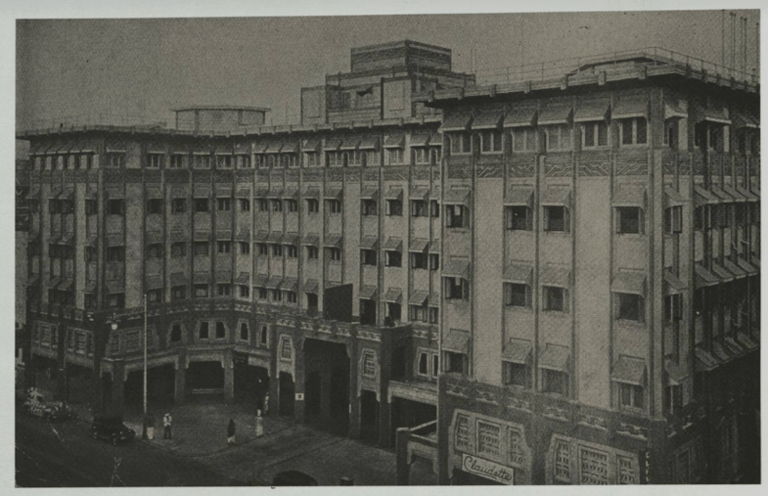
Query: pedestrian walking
x=259, y=424
x=266, y=404
x=167, y=419
x=231, y=432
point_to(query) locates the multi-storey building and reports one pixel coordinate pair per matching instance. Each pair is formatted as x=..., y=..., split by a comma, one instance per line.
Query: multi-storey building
x=600, y=264
x=298, y=263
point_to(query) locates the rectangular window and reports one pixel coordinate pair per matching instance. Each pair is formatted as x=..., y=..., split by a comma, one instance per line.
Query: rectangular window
x=154, y=160
x=311, y=159
x=221, y=331
x=292, y=251
x=245, y=204
x=202, y=161
x=670, y=133
x=277, y=205
x=277, y=250
x=115, y=254
x=179, y=205
x=630, y=307
x=631, y=396
x=292, y=205
x=313, y=206
x=368, y=207
x=243, y=331
x=368, y=257
x=490, y=141
x=312, y=252
x=154, y=296
x=455, y=362
x=201, y=205
x=516, y=374
x=90, y=254
x=461, y=144
x=419, y=260
x=673, y=220
x=633, y=131
x=91, y=207
x=115, y=159
x=555, y=299
x=115, y=207
x=524, y=139
x=434, y=208
x=245, y=291
x=594, y=134
x=155, y=250
x=263, y=205
x=116, y=300
x=516, y=295
x=333, y=206
x=420, y=155
x=434, y=261
x=264, y=335
x=629, y=220
x=263, y=249
x=201, y=290
x=519, y=218
x=155, y=206
x=201, y=248
x=554, y=381
x=434, y=315
x=417, y=313
x=290, y=296
x=456, y=288
x=393, y=259
x=419, y=208
x=333, y=254
x=245, y=248
x=177, y=161
x=396, y=156
x=178, y=293
x=224, y=289
x=223, y=204
x=203, y=331
x=225, y=246
x=673, y=307
x=558, y=138
x=488, y=438
x=176, y=333
x=224, y=161
x=277, y=295
x=395, y=207
x=263, y=294
x=456, y=216
x=556, y=219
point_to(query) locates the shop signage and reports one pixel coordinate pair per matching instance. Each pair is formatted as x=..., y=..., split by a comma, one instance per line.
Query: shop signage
x=488, y=469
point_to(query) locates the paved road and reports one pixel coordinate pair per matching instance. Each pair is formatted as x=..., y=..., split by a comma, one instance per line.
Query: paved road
x=65, y=455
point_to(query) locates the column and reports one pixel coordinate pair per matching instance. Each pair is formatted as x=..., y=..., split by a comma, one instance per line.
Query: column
x=229, y=376
x=401, y=457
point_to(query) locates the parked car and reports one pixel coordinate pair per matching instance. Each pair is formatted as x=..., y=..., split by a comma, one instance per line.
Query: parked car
x=293, y=478
x=111, y=428
x=37, y=405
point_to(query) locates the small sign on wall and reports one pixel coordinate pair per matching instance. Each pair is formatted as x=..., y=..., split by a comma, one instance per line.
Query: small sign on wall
x=299, y=396
x=488, y=469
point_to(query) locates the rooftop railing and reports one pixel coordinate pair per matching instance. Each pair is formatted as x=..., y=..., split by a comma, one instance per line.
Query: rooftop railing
x=650, y=56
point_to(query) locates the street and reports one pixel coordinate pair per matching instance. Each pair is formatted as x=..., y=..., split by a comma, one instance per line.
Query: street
x=65, y=455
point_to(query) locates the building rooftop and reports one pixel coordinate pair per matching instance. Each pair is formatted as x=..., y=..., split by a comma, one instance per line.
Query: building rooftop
x=221, y=107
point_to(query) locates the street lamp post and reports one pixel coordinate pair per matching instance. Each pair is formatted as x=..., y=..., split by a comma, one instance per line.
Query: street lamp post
x=144, y=426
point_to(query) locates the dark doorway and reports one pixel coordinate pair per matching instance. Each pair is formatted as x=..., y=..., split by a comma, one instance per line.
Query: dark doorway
x=251, y=383
x=205, y=377
x=369, y=409
x=286, y=394
x=408, y=413
x=327, y=385
x=461, y=478
x=79, y=384
x=368, y=312
x=161, y=385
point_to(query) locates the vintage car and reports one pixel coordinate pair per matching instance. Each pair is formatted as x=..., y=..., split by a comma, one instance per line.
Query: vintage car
x=111, y=428
x=37, y=405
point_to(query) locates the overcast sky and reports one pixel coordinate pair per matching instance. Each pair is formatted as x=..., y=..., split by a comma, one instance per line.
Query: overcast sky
x=144, y=68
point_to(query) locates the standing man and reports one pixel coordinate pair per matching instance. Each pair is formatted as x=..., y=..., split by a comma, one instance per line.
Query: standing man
x=167, y=426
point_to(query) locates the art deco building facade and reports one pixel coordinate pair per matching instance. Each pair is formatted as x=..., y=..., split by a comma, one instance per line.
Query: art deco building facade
x=600, y=251
x=295, y=264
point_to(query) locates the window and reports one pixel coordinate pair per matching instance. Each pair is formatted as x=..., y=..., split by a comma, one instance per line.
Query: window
x=461, y=144
x=91, y=207
x=456, y=288
x=556, y=219
x=524, y=139
x=396, y=156
x=263, y=205
x=394, y=311
x=418, y=260
x=201, y=290
x=434, y=207
x=490, y=141
x=245, y=247
x=224, y=161
x=243, y=331
x=519, y=219
x=456, y=216
x=223, y=204
x=723, y=215
x=115, y=254
x=286, y=349
x=154, y=160
x=263, y=295
x=292, y=251
x=245, y=204
x=311, y=301
x=516, y=295
x=673, y=399
x=277, y=205
x=116, y=300
x=225, y=246
x=290, y=296
x=155, y=206
x=434, y=261
x=176, y=333
x=154, y=296
x=554, y=381
x=203, y=330
x=311, y=159
x=417, y=313
x=434, y=315
x=201, y=205
x=178, y=293
x=312, y=252
x=593, y=466
x=516, y=374
x=631, y=396
x=463, y=437
x=221, y=331
x=333, y=254
x=420, y=155
x=177, y=161
x=633, y=131
x=54, y=206
x=368, y=207
x=558, y=138
x=333, y=206
x=202, y=161
x=419, y=208
x=90, y=254
x=224, y=289
x=263, y=249
x=671, y=133
x=245, y=291
x=115, y=159
x=423, y=364
x=368, y=257
x=132, y=340
x=393, y=259
x=179, y=205
x=115, y=207
x=395, y=207
x=155, y=250
x=355, y=158
x=673, y=220
x=372, y=157
x=264, y=335
x=292, y=205
x=313, y=206
x=555, y=299
x=702, y=218
x=594, y=134
x=455, y=362
x=629, y=220
x=277, y=295
x=277, y=250
x=201, y=248
x=562, y=461
x=673, y=307
x=629, y=307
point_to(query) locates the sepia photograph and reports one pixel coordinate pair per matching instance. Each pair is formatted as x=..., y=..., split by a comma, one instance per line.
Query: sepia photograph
x=387, y=250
